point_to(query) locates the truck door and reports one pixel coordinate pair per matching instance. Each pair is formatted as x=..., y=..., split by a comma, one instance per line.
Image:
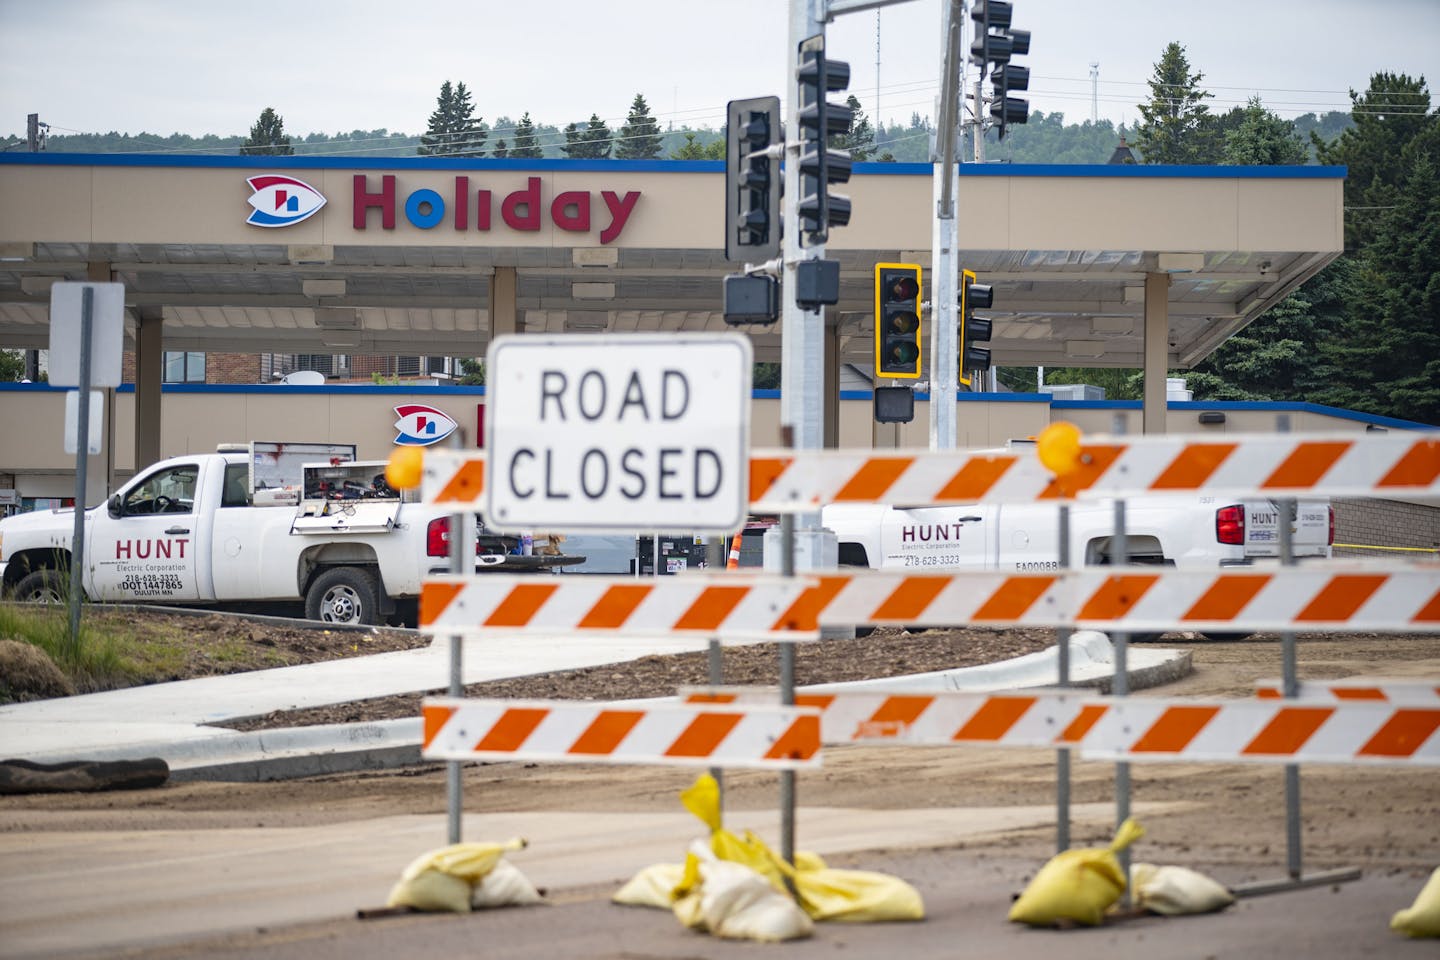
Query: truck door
x=936, y=537
x=144, y=545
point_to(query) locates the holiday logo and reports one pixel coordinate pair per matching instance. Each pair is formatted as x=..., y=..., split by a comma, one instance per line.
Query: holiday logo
x=420, y=425
x=282, y=201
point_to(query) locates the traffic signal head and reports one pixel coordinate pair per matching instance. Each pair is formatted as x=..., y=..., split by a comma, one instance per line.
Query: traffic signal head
x=819, y=165
x=752, y=179
x=974, y=296
x=898, y=330
x=994, y=46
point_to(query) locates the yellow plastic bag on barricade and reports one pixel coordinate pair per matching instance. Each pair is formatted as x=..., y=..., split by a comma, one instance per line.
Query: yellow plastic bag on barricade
x=443, y=879
x=823, y=892
x=1421, y=918
x=730, y=900
x=1078, y=885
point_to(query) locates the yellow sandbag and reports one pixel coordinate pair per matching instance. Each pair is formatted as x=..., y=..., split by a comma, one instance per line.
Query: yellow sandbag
x=1078, y=885
x=654, y=886
x=824, y=894
x=1174, y=891
x=504, y=886
x=433, y=892
x=1421, y=918
x=732, y=901
x=856, y=896
x=442, y=879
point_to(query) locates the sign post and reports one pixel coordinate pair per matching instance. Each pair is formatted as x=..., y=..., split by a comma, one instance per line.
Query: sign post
x=87, y=325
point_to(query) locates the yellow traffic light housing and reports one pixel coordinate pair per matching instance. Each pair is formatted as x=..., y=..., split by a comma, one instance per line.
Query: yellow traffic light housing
x=898, y=327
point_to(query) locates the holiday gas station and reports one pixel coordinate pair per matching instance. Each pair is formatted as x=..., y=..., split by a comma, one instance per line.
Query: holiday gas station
x=1127, y=266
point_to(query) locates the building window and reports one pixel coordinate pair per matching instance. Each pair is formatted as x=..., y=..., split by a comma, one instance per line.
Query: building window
x=184, y=367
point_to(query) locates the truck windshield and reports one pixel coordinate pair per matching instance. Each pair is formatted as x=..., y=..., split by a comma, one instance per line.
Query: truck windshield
x=169, y=491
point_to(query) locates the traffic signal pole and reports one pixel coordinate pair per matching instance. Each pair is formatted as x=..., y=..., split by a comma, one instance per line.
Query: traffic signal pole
x=802, y=346
x=945, y=255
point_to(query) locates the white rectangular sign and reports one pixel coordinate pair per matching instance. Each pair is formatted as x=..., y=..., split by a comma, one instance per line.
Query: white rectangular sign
x=618, y=432
x=95, y=426
x=107, y=333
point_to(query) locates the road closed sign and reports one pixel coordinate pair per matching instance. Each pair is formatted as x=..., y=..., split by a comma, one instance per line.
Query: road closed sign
x=618, y=433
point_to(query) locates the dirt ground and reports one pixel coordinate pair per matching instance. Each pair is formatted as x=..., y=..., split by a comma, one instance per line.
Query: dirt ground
x=1377, y=817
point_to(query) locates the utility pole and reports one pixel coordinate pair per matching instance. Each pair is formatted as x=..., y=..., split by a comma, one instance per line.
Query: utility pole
x=33, y=128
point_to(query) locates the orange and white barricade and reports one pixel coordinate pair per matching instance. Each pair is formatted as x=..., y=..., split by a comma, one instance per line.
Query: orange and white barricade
x=1240, y=464
x=735, y=605
x=1311, y=597
x=750, y=735
x=941, y=718
x=1422, y=692
x=1270, y=731
x=1390, y=597
x=1273, y=465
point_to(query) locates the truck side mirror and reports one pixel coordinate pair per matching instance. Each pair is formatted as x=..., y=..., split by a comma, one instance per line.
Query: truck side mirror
x=115, y=506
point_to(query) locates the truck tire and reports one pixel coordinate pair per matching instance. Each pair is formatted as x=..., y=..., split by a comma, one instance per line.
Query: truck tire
x=42, y=586
x=344, y=595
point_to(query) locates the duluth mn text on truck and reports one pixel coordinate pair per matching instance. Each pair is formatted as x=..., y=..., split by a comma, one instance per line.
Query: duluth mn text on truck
x=263, y=522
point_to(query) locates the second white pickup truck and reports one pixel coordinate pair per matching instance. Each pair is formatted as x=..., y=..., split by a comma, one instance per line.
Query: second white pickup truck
x=1187, y=532
x=250, y=524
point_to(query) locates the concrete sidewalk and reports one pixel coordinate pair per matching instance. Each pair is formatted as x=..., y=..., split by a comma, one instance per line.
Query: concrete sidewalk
x=174, y=721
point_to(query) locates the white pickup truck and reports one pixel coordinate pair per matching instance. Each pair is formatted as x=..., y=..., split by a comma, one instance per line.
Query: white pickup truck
x=1188, y=532
x=252, y=524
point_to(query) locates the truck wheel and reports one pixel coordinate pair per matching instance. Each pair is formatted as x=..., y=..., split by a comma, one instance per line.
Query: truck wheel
x=42, y=586
x=344, y=595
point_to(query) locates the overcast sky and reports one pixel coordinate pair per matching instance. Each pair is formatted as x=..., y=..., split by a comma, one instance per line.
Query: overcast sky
x=208, y=66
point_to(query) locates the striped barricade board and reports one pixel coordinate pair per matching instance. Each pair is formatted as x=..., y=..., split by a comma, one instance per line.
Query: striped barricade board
x=1123, y=728
x=764, y=736
x=1267, y=731
x=1329, y=597
x=1272, y=465
x=1422, y=692
x=1313, y=597
x=941, y=718
x=1391, y=597
x=730, y=605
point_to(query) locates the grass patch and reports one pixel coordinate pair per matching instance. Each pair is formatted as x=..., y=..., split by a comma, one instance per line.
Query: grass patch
x=109, y=651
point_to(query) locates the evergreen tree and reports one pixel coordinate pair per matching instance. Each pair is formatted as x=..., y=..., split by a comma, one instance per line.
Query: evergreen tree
x=501, y=151
x=693, y=149
x=860, y=141
x=640, y=137
x=1262, y=138
x=453, y=129
x=592, y=143
x=1387, y=116
x=525, y=145
x=1175, y=128
x=267, y=136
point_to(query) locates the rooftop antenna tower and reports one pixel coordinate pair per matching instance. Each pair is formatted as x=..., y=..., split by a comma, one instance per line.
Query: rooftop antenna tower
x=1094, y=91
